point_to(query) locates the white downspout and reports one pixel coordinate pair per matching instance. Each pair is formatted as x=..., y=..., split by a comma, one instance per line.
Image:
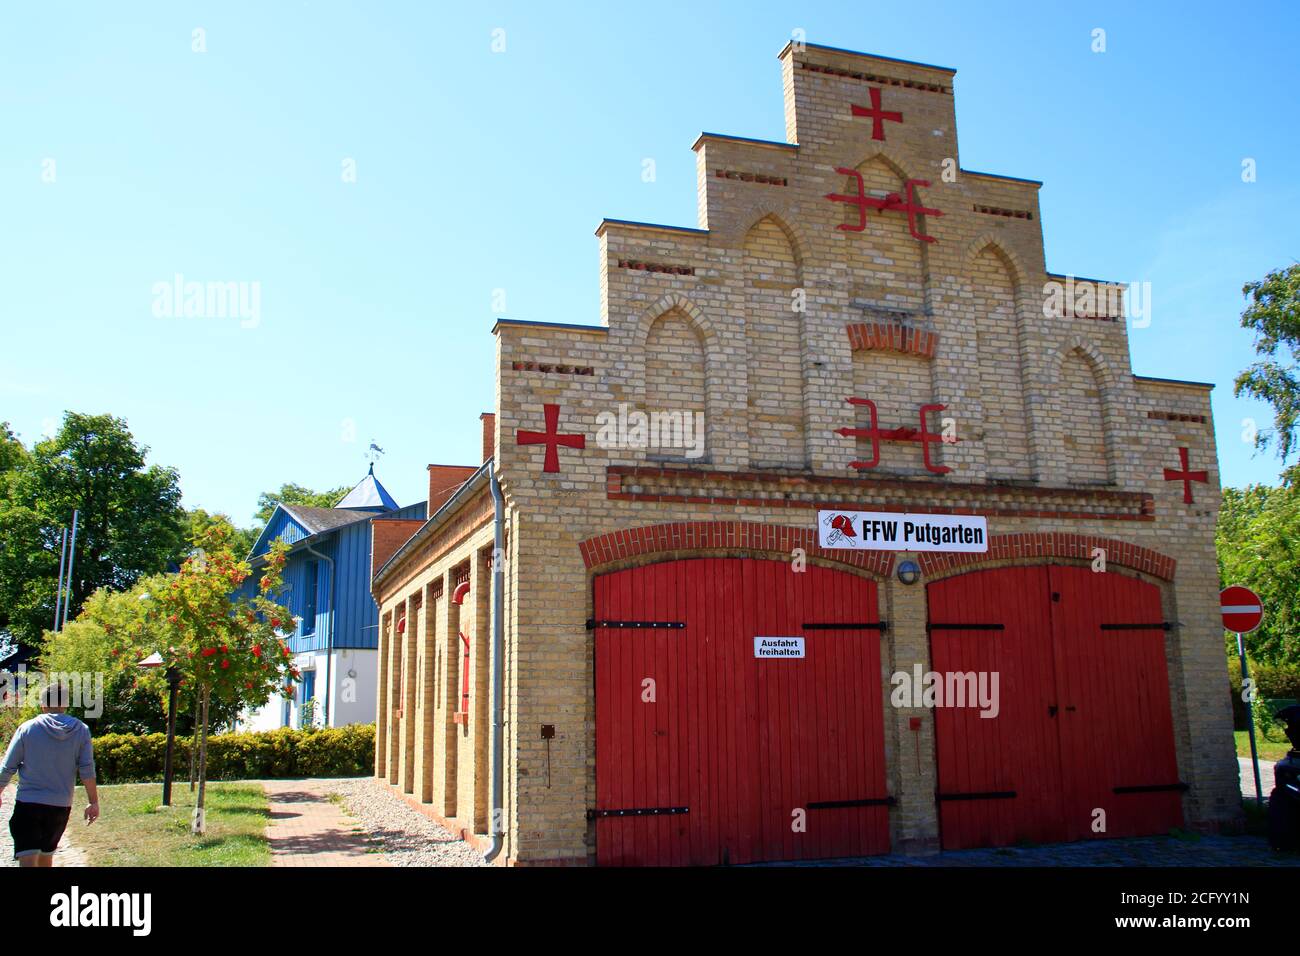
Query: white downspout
x=496, y=815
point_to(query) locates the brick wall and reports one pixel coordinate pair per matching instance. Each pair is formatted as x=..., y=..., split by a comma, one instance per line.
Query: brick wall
x=445, y=481
x=489, y=421
x=773, y=332
x=675, y=371
x=1058, y=442
x=386, y=536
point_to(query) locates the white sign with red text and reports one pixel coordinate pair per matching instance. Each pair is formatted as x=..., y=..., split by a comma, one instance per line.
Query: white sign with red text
x=892, y=531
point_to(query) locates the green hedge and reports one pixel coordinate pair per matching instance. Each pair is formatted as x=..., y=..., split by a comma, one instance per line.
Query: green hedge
x=1272, y=682
x=328, y=752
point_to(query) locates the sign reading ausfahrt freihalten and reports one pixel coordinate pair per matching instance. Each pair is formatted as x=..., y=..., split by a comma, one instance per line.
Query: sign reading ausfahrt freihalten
x=890, y=531
x=778, y=647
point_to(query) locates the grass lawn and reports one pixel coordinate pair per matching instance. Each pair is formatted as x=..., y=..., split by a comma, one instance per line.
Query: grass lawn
x=1267, y=749
x=134, y=830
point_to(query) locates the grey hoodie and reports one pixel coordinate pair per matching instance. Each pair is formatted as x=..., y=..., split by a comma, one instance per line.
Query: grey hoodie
x=48, y=752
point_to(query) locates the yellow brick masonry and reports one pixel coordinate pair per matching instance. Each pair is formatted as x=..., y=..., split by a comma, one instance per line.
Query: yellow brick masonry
x=1037, y=402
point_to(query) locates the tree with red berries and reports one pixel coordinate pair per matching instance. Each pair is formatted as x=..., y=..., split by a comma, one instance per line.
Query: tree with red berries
x=227, y=646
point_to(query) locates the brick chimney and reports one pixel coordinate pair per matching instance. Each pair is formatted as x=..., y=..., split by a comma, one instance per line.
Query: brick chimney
x=443, y=482
x=489, y=421
x=386, y=536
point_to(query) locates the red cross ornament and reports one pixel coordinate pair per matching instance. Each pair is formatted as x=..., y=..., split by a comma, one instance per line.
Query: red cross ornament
x=877, y=435
x=878, y=116
x=551, y=438
x=894, y=202
x=1186, y=476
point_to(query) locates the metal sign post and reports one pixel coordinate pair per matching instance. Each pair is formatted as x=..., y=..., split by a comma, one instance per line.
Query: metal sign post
x=72, y=553
x=1250, y=714
x=1242, y=612
x=58, y=595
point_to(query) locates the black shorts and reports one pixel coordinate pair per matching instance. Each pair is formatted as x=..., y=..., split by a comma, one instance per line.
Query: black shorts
x=37, y=827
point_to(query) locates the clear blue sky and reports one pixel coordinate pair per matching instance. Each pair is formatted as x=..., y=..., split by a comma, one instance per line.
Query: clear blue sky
x=376, y=296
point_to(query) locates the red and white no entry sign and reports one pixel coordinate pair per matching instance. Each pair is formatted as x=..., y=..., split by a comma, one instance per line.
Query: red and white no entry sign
x=1241, y=608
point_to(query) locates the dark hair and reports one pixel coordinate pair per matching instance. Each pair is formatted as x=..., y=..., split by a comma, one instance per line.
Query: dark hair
x=56, y=695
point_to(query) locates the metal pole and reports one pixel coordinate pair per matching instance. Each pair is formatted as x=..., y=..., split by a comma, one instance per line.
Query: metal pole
x=72, y=554
x=58, y=596
x=1250, y=713
x=173, y=680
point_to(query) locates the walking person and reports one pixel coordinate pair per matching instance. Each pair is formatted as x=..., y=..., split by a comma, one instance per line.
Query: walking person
x=48, y=753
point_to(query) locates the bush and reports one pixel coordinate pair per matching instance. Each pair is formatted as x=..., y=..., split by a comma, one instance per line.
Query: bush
x=1272, y=682
x=328, y=752
x=1267, y=726
x=10, y=719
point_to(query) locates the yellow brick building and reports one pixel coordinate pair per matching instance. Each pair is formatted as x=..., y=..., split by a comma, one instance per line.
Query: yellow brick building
x=570, y=667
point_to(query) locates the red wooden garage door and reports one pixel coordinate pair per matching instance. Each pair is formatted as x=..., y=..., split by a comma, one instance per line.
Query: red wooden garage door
x=1084, y=723
x=706, y=754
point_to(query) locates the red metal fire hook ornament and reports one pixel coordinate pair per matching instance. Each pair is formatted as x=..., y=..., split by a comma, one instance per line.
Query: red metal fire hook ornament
x=894, y=202
x=876, y=435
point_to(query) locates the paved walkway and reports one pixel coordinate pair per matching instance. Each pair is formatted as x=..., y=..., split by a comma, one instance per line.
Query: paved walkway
x=1248, y=777
x=66, y=855
x=1138, y=851
x=307, y=829
x=1193, y=850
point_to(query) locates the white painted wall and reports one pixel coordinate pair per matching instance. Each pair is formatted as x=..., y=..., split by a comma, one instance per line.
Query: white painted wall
x=354, y=679
x=268, y=717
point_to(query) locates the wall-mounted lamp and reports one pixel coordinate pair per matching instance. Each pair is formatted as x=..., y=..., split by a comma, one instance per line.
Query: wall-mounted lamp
x=909, y=572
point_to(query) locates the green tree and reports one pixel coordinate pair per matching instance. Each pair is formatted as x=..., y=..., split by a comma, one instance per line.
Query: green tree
x=21, y=525
x=230, y=650
x=291, y=494
x=130, y=522
x=1273, y=313
x=86, y=646
x=1258, y=545
x=198, y=520
x=91, y=644
x=13, y=453
x=29, y=572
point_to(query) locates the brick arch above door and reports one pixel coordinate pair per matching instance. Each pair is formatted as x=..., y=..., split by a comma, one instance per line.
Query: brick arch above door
x=1030, y=546
x=617, y=546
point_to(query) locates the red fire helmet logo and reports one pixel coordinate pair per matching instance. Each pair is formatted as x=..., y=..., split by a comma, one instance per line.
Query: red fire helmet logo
x=844, y=526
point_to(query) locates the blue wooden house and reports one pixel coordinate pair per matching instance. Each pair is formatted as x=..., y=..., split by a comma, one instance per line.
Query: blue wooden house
x=327, y=590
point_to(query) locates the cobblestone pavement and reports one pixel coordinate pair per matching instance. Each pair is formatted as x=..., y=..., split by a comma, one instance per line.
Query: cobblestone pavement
x=1144, y=851
x=1189, y=850
x=66, y=855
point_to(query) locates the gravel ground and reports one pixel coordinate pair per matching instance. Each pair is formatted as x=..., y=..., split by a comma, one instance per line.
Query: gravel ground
x=407, y=837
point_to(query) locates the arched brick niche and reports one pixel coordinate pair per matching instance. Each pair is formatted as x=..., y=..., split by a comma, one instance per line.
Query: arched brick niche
x=624, y=543
x=1051, y=544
